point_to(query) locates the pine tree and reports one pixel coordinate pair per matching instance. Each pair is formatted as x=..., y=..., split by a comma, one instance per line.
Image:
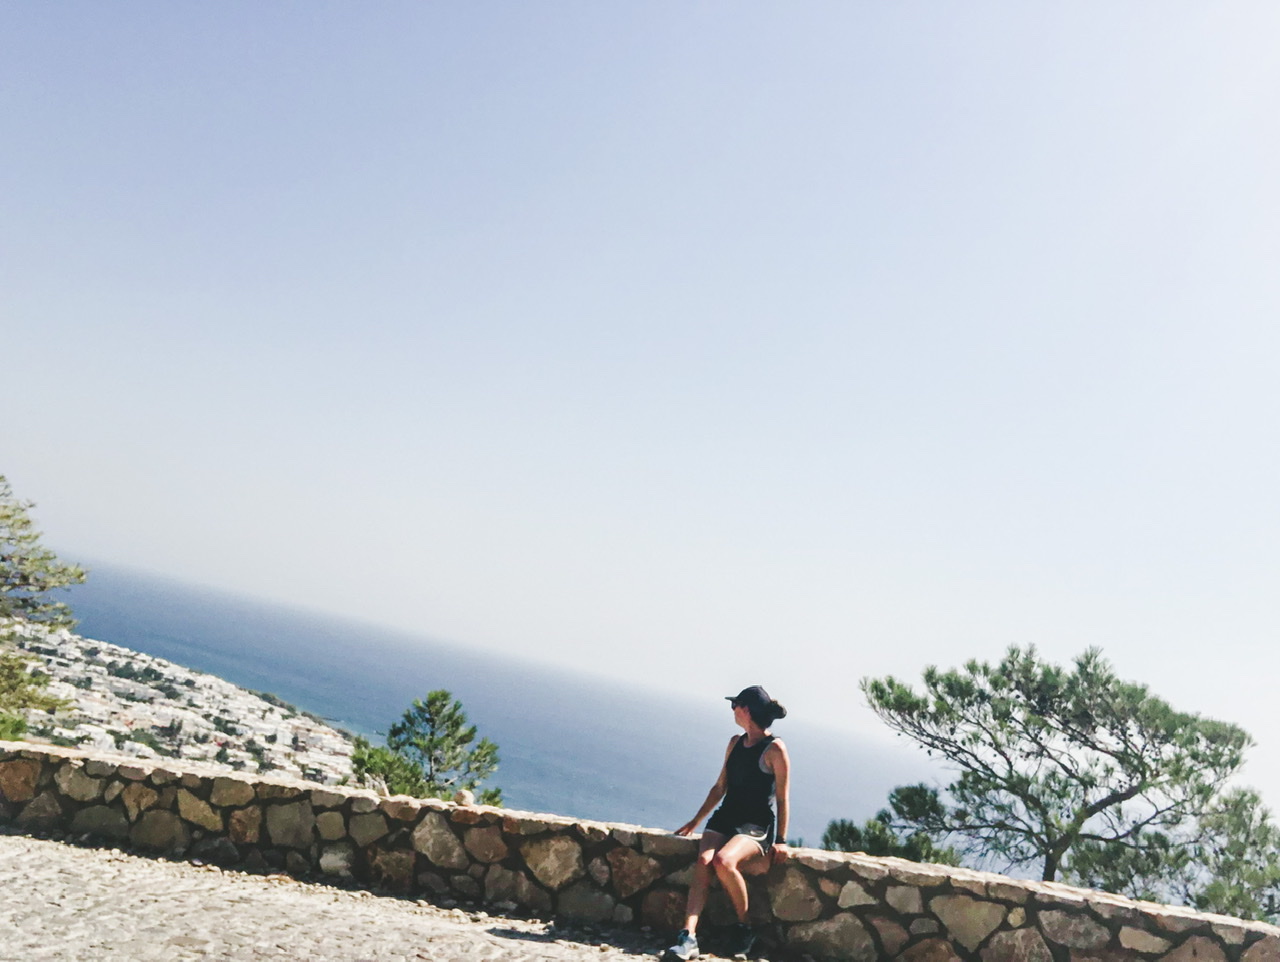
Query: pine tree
x=430, y=753
x=1055, y=762
x=29, y=572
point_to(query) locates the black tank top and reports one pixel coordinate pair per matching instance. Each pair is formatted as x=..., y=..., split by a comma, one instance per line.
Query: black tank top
x=749, y=796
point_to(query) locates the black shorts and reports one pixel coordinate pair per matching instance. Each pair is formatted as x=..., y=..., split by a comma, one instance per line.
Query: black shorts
x=724, y=824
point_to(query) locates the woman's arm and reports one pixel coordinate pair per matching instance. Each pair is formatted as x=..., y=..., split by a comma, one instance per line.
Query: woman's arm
x=713, y=796
x=780, y=764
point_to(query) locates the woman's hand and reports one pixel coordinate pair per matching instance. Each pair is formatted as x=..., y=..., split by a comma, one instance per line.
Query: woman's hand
x=780, y=853
x=687, y=828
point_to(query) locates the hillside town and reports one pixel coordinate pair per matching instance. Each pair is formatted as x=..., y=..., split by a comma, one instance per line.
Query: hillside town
x=127, y=702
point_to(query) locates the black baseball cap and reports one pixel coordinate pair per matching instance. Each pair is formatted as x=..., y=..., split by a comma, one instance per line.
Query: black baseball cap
x=755, y=699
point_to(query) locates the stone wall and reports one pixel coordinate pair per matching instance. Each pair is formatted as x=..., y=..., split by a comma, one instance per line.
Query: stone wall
x=821, y=904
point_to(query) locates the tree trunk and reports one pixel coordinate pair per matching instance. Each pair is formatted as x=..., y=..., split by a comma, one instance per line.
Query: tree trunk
x=1050, y=868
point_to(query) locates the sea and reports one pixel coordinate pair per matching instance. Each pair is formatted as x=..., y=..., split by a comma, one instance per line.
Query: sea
x=586, y=745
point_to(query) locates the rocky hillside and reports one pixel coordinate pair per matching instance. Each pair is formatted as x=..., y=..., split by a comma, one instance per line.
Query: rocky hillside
x=132, y=703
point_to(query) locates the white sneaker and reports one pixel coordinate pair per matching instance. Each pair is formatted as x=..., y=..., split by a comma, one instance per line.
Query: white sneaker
x=686, y=947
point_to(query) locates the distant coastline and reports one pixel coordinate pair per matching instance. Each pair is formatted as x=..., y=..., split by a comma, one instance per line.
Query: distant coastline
x=136, y=704
x=576, y=745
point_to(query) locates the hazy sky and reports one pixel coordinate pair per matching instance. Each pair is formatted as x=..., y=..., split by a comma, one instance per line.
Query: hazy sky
x=699, y=344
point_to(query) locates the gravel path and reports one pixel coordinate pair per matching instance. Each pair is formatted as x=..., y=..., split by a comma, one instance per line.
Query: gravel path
x=62, y=901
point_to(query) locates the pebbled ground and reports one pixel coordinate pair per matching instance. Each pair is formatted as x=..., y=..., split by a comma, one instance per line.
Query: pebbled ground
x=66, y=902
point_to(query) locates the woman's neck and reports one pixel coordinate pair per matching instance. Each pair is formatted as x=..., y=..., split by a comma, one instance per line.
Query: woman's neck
x=754, y=733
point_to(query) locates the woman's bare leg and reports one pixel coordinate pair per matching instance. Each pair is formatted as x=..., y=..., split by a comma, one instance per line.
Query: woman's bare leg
x=711, y=841
x=727, y=864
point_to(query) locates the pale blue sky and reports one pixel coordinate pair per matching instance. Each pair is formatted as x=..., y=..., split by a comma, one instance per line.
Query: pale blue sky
x=701, y=344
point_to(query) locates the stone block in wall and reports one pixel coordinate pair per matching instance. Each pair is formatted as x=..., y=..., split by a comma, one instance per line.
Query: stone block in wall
x=1021, y=945
x=919, y=874
x=930, y=950
x=231, y=792
x=1009, y=891
x=198, y=812
x=278, y=790
x=598, y=869
x=554, y=861
x=101, y=821
x=502, y=884
x=841, y=937
x=402, y=808
x=485, y=843
x=1057, y=895
x=393, y=869
x=473, y=815
x=297, y=864
x=244, y=825
x=435, y=839
x=1139, y=940
x=331, y=826
x=817, y=861
x=465, y=886
x=866, y=868
x=854, y=893
x=338, y=859
x=160, y=831
x=905, y=899
x=1074, y=931
x=663, y=909
x=665, y=845
x=100, y=767
x=584, y=901
x=1230, y=932
x=1266, y=949
x=433, y=882
x=18, y=779
x=892, y=935
x=1197, y=948
x=522, y=824
x=591, y=832
x=43, y=811
x=631, y=872
x=218, y=850
x=291, y=824
x=137, y=798
x=324, y=798
x=366, y=827
x=967, y=880
x=968, y=920
x=1113, y=907
x=793, y=898
x=681, y=879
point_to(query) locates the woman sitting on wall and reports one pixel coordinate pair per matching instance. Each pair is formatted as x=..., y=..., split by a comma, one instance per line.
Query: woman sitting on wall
x=744, y=829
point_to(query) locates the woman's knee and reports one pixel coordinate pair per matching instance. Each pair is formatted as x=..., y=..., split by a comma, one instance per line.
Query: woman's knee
x=725, y=861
